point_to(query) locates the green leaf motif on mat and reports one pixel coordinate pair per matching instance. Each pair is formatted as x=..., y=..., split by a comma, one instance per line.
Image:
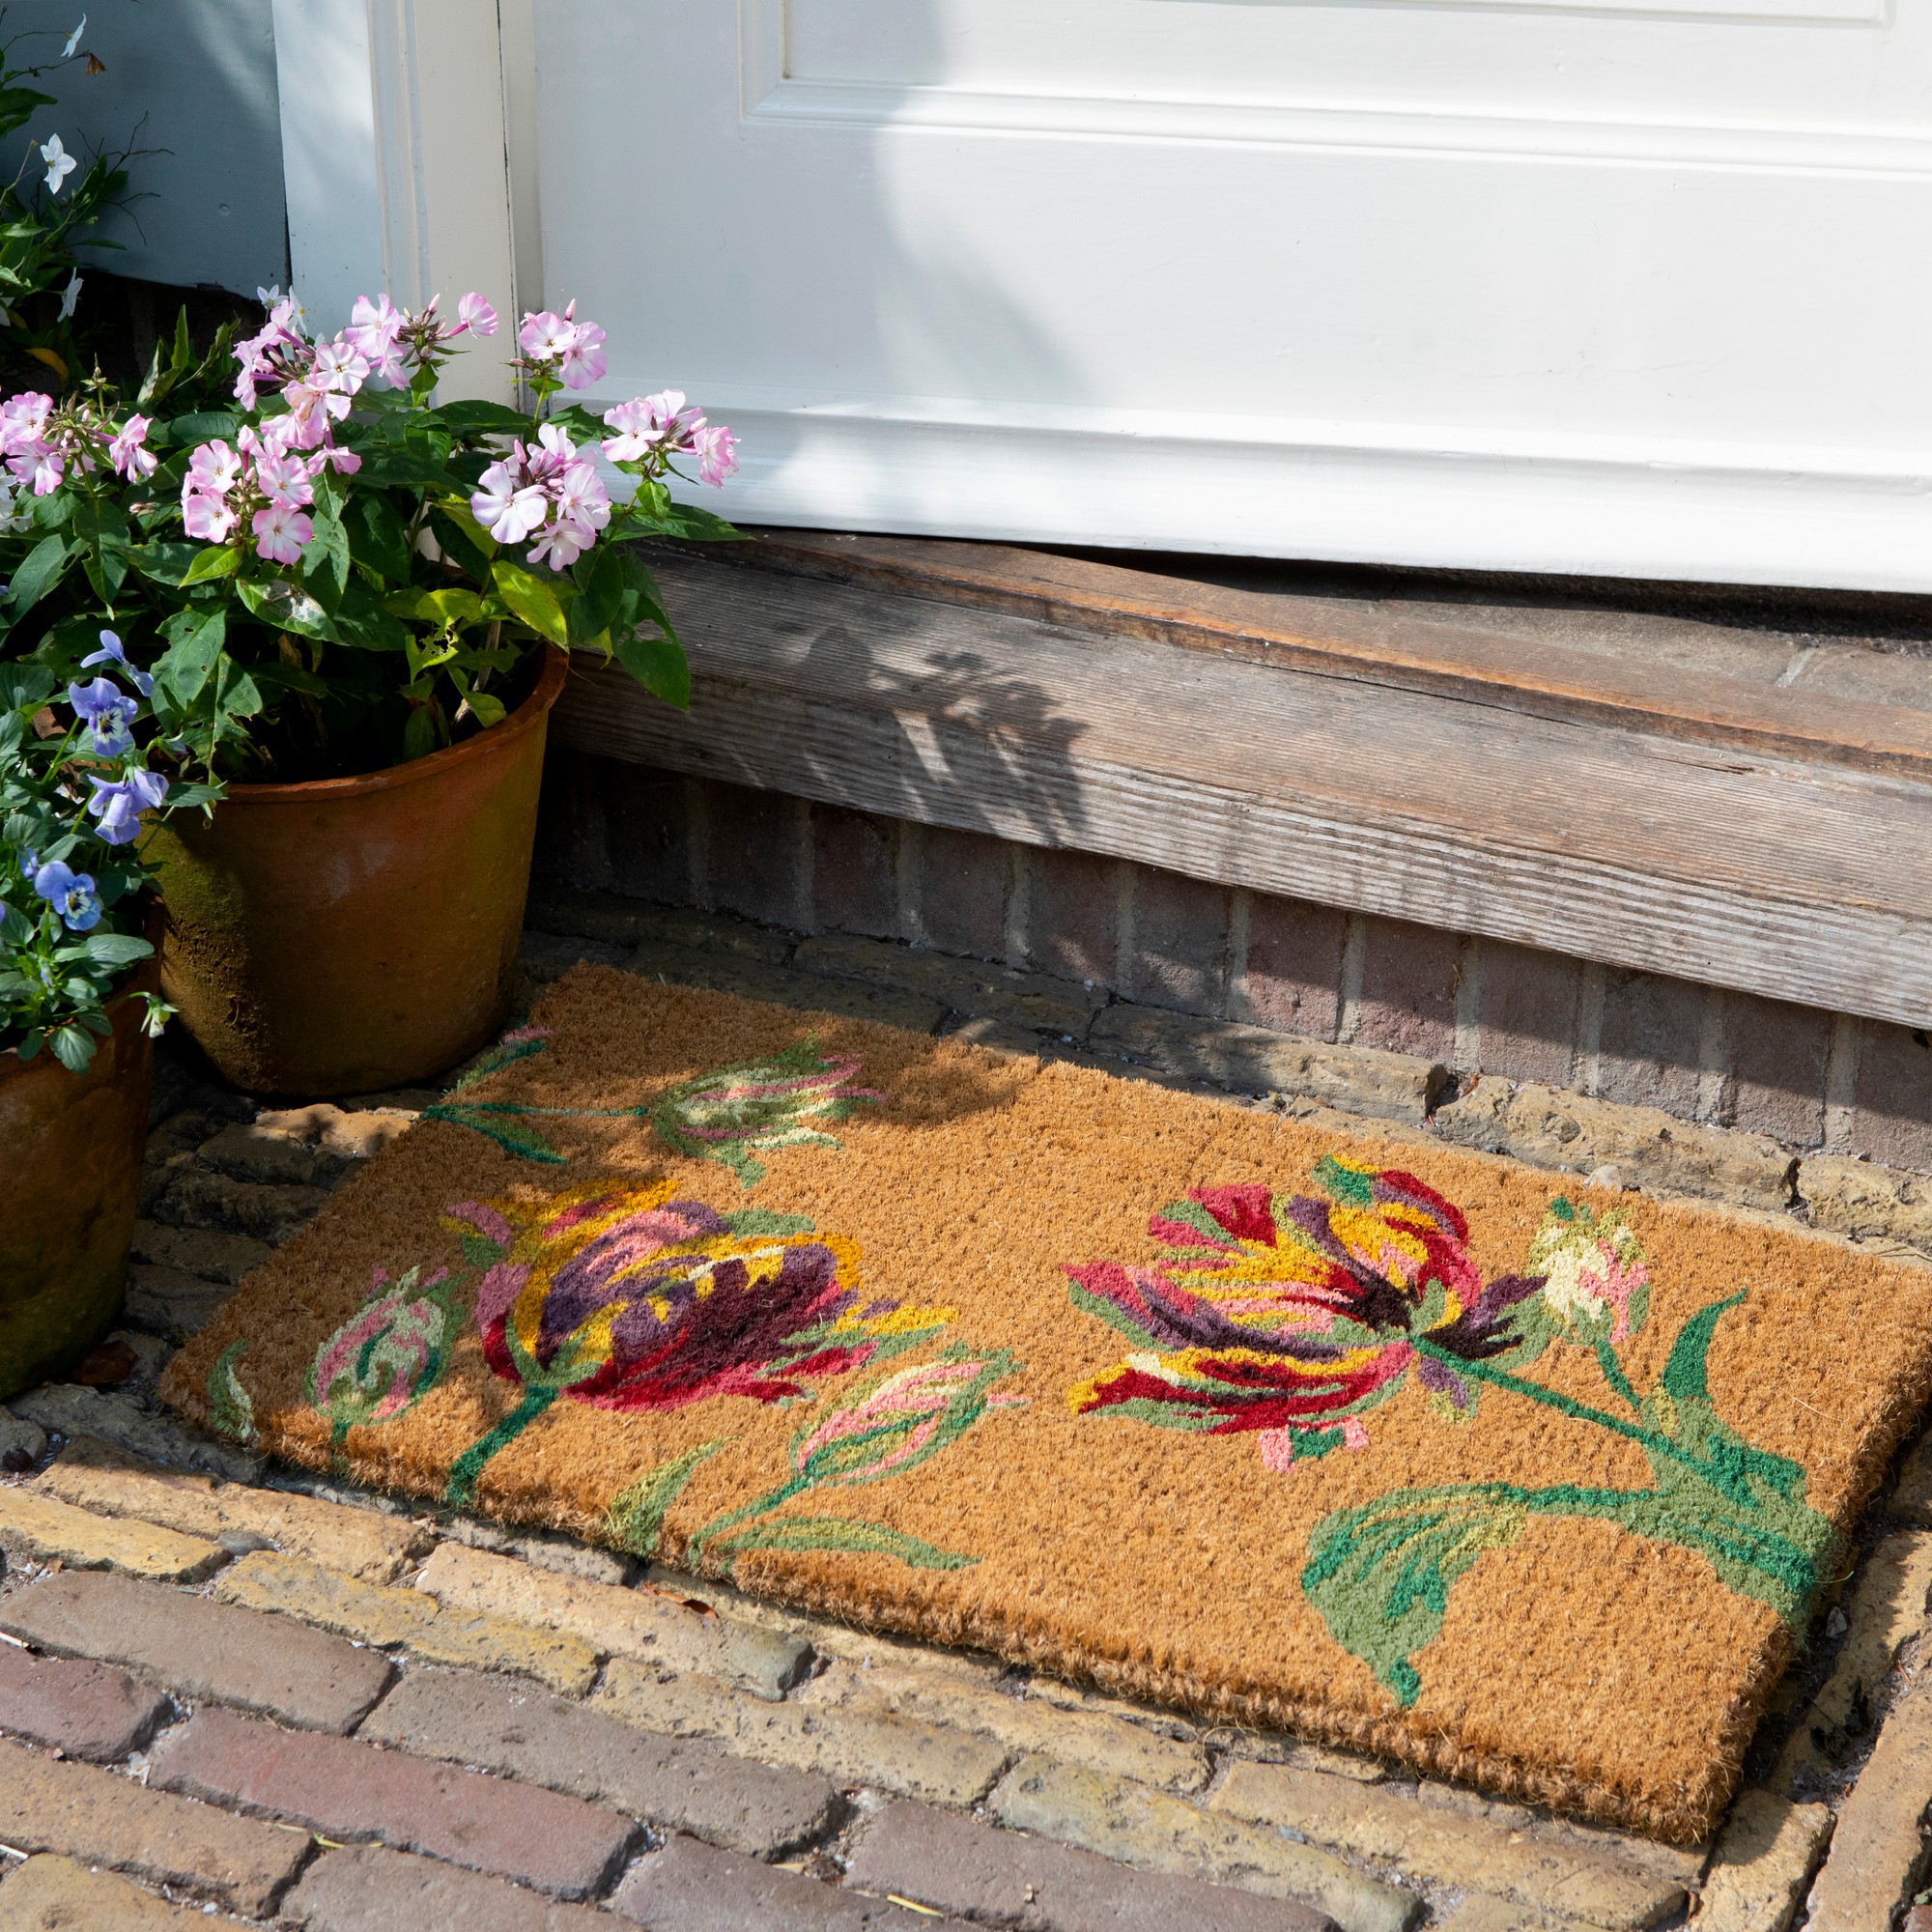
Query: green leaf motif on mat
x=1380, y=1574
x=635, y=1520
x=738, y=1112
x=230, y=1411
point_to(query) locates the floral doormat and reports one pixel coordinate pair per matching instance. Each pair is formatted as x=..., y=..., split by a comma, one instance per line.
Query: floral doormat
x=1396, y=1446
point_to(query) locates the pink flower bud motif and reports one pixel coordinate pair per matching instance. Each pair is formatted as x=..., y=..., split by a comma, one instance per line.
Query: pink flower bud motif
x=717, y=454
x=1596, y=1282
x=879, y=1430
x=739, y=1112
x=901, y=1420
x=389, y=1353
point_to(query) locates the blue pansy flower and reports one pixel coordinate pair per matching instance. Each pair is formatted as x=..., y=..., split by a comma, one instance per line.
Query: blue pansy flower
x=119, y=806
x=70, y=894
x=111, y=652
x=108, y=712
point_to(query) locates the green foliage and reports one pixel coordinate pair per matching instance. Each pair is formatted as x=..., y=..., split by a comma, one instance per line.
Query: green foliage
x=393, y=626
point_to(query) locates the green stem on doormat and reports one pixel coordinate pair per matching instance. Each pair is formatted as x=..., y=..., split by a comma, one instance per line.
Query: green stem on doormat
x=461, y=1490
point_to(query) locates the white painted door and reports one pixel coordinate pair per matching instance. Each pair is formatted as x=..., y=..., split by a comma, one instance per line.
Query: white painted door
x=1627, y=288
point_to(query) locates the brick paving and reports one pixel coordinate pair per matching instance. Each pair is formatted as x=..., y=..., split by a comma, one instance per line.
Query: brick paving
x=230, y=1692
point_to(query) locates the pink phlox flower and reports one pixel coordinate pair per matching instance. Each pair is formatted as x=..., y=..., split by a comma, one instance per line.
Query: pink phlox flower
x=474, y=314
x=561, y=544
x=280, y=533
x=340, y=368
x=554, y=453
x=584, y=358
x=582, y=497
x=717, y=454
x=374, y=329
x=125, y=451
x=505, y=505
x=212, y=470
x=545, y=337
x=284, y=479
x=206, y=519
x=24, y=421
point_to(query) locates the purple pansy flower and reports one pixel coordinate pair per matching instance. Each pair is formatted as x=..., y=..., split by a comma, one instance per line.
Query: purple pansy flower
x=111, y=651
x=108, y=712
x=119, y=806
x=70, y=894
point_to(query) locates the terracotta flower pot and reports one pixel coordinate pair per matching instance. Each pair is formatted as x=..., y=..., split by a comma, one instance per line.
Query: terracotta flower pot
x=358, y=933
x=70, y=1146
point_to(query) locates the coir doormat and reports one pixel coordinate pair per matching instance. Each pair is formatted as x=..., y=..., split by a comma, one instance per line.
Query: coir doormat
x=1396, y=1446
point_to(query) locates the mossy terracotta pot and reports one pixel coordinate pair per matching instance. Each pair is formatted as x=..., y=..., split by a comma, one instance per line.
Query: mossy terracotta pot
x=353, y=935
x=70, y=1146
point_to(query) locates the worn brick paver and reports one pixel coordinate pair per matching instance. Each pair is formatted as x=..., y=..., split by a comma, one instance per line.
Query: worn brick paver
x=366, y=1889
x=201, y=1649
x=1109, y=1745
x=693, y=1887
x=1143, y=1827
x=265, y=1581
x=103, y=1819
x=39, y=1529
x=1762, y=1865
x=49, y=1894
x=84, y=1708
x=344, y=1788
x=1876, y=1850
x=898, y=1754
x=365, y=1543
x=958, y=1864
x=1374, y=1823
x=685, y=1784
x=629, y=1623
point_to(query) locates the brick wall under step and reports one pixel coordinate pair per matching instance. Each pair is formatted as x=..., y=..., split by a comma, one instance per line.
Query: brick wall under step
x=1809, y=1078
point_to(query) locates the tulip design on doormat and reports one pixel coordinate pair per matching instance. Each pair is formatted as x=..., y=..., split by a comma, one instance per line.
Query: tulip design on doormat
x=391, y=1350
x=1293, y=1318
x=730, y=1116
x=883, y=1428
x=624, y=1298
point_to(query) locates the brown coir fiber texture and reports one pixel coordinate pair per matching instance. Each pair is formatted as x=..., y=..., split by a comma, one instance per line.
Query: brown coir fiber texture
x=1598, y=1662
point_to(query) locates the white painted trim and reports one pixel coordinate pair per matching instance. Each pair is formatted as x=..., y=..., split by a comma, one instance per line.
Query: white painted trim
x=395, y=148
x=330, y=163
x=1442, y=129
x=1382, y=493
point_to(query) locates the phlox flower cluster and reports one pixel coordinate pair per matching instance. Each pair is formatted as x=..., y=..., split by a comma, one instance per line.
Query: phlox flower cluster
x=397, y=342
x=653, y=429
x=549, y=490
x=41, y=442
x=559, y=347
x=262, y=486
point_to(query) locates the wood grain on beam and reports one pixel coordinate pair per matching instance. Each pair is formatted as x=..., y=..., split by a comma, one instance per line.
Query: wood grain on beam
x=1338, y=637
x=1788, y=877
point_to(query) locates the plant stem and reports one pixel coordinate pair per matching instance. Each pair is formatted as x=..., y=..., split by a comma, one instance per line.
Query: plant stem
x=1579, y=1411
x=770, y=1500
x=468, y=1466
